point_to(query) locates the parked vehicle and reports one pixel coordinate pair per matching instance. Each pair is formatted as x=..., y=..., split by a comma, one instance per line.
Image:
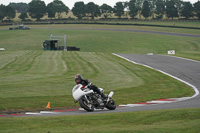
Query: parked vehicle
x=20, y=27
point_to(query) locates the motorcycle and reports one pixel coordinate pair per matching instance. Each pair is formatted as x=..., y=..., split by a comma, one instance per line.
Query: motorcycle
x=90, y=100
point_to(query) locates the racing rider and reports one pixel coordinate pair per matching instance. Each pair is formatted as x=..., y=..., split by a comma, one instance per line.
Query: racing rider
x=79, y=80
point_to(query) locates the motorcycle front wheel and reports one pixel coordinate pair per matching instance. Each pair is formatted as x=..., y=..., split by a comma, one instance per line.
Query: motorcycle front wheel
x=111, y=105
x=87, y=106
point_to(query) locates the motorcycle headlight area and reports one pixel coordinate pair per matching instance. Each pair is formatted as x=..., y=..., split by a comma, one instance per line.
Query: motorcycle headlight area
x=76, y=87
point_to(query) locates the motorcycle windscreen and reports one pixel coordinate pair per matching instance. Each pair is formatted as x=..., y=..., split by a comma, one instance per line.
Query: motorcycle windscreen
x=76, y=87
x=78, y=93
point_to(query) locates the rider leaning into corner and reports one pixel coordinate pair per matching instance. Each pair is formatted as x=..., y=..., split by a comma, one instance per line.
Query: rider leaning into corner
x=79, y=80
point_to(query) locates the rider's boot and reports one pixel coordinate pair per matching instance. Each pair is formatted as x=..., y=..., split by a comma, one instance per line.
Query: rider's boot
x=104, y=96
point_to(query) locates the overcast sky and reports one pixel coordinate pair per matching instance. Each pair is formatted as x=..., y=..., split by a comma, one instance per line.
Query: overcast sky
x=70, y=3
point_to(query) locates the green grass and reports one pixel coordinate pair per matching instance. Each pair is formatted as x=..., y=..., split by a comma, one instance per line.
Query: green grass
x=29, y=79
x=128, y=27
x=106, y=41
x=164, y=23
x=160, y=121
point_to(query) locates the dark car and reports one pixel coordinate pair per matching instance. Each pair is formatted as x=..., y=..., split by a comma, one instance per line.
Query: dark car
x=20, y=27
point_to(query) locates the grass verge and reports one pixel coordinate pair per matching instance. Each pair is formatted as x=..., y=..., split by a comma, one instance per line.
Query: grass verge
x=160, y=121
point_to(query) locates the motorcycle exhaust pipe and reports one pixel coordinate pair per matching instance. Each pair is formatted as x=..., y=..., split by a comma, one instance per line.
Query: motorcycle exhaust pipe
x=110, y=94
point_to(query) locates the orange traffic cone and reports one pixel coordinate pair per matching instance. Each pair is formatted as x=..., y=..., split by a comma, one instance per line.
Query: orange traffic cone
x=48, y=105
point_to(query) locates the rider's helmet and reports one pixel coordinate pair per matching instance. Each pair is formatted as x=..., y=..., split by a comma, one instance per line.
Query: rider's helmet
x=78, y=78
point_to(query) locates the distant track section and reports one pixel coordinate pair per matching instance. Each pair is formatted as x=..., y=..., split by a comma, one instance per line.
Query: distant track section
x=125, y=30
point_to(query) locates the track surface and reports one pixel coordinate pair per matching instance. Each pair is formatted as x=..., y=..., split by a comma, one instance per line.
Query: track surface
x=123, y=30
x=141, y=31
x=187, y=70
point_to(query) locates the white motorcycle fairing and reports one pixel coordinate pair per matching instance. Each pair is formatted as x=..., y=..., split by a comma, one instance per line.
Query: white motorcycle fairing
x=78, y=92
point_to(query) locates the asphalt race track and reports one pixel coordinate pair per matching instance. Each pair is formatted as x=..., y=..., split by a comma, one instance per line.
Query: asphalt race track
x=184, y=69
x=187, y=70
x=123, y=30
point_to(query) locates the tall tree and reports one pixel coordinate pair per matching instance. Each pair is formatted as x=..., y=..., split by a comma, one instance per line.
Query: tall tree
x=79, y=10
x=2, y=12
x=133, y=10
x=171, y=10
x=10, y=12
x=50, y=11
x=197, y=9
x=92, y=10
x=152, y=5
x=187, y=10
x=146, y=9
x=178, y=5
x=59, y=7
x=160, y=8
x=139, y=4
x=23, y=16
x=19, y=7
x=119, y=9
x=125, y=4
x=106, y=10
x=37, y=9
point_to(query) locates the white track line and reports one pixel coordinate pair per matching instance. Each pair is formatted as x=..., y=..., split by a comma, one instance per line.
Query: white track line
x=158, y=102
x=48, y=112
x=131, y=105
x=41, y=112
x=176, y=99
x=31, y=113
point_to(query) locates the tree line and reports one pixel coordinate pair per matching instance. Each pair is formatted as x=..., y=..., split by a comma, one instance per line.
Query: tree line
x=37, y=9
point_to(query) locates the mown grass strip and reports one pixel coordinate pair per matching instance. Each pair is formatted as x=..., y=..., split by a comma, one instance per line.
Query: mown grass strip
x=160, y=121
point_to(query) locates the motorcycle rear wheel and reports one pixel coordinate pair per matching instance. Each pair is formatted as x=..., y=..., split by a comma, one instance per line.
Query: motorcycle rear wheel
x=111, y=105
x=88, y=107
